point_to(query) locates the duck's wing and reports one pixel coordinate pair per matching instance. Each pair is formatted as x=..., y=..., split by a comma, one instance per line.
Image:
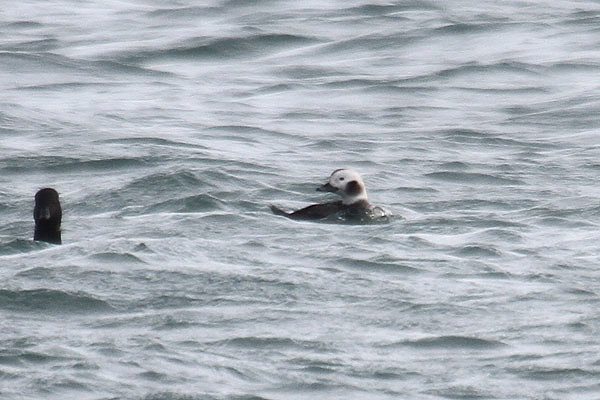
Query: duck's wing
x=315, y=211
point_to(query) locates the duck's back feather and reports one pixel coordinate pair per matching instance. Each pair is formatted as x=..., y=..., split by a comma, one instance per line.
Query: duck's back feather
x=315, y=211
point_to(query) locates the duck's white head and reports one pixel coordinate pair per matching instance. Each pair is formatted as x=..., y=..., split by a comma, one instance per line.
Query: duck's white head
x=348, y=184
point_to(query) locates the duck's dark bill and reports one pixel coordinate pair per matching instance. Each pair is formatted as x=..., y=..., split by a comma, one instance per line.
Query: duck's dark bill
x=327, y=188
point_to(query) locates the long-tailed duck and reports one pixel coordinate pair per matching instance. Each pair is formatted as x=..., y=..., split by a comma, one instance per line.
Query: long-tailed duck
x=353, y=206
x=47, y=215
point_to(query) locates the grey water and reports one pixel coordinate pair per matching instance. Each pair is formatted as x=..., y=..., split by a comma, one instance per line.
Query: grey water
x=169, y=127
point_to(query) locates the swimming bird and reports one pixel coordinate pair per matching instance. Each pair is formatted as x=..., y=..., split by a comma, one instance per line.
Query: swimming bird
x=47, y=215
x=353, y=206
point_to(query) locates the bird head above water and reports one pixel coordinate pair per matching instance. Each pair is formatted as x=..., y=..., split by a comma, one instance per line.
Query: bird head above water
x=348, y=184
x=47, y=214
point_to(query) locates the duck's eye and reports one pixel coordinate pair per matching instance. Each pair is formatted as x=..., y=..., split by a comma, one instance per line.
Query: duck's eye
x=341, y=178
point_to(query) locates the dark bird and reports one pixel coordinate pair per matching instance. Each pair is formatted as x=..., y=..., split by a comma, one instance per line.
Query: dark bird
x=47, y=215
x=353, y=206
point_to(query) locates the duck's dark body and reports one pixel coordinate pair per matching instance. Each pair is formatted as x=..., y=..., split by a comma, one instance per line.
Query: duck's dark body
x=358, y=211
x=47, y=214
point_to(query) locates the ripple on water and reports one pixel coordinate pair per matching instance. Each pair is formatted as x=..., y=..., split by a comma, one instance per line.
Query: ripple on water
x=111, y=257
x=49, y=300
x=479, y=251
x=221, y=48
x=450, y=343
x=66, y=165
x=379, y=266
x=18, y=246
x=189, y=204
x=272, y=342
x=472, y=178
x=492, y=163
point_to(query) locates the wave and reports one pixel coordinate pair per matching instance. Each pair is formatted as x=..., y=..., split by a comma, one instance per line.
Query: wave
x=180, y=396
x=115, y=257
x=142, y=193
x=552, y=374
x=479, y=250
x=151, y=142
x=20, y=246
x=530, y=70
x=373, y=41
x=387, y=9
x=470, y=28
x=472, y=178
x=375, y=265
x=183, y=12
x=24, y=24
x=58, y=164
x=583, y=17
x=169, y=182
x=41, y=45
x=269, y=342
x=36, y=62
x=220, y=48
x=450, y=342
x=475, y=137
x=50, y=300
x=16, y=357
x=189, y=204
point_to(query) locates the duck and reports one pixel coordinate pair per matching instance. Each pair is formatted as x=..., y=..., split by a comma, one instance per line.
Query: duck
x=47, y=215
x=354, y=205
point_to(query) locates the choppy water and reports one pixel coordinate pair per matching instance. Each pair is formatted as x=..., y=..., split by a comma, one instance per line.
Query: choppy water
x=169, y=127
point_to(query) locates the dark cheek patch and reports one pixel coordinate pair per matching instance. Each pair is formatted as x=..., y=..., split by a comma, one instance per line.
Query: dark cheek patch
x=353, y=188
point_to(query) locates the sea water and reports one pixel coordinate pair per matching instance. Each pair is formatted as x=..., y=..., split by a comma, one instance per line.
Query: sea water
x=168, y=128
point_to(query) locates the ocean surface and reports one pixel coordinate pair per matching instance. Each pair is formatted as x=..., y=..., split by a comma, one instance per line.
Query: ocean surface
x=169, y=127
